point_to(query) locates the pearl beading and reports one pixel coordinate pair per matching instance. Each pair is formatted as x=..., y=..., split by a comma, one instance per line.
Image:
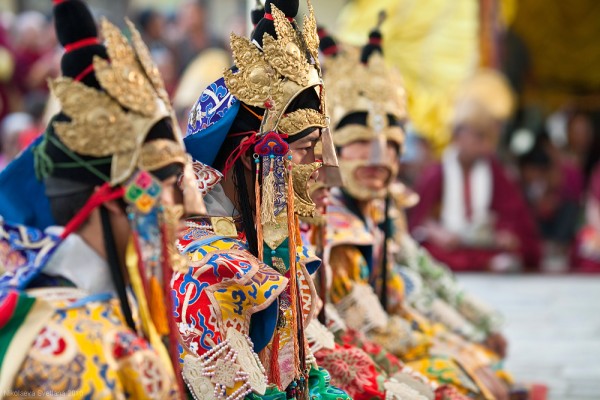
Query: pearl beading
x=229, y=355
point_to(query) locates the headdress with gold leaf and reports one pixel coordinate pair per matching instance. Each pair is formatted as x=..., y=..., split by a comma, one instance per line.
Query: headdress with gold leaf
x=271, y=97
x=367, y=102
x=115, y=122
x=116, y=137
x=272, y=77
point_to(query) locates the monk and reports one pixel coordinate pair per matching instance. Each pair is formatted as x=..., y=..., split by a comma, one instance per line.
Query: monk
x=472, y=216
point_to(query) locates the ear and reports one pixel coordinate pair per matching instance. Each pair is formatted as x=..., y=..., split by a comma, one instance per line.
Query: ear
x=246, y=159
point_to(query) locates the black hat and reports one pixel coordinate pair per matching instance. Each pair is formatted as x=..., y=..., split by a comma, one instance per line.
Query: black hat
x=374, y=44
x=266, y=24
x=77, y=32
x=257, y=13
x=327, y=43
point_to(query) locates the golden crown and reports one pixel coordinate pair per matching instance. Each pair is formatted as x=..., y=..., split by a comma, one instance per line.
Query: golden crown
x=374, y=88
x=117, y=120
x=274, y=77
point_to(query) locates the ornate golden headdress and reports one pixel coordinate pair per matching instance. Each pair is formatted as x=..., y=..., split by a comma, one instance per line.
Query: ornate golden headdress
x=373, y=88
x=367, y=102
x=274, y=77
x=116, y=121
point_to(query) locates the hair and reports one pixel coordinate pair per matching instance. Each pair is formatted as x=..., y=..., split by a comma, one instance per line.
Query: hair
x=245, y=121
x=64, y=208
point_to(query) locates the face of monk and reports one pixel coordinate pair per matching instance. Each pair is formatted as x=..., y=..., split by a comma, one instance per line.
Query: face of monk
x=474, y=143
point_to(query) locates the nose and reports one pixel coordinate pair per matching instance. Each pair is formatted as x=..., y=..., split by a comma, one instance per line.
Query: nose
x=378, y=150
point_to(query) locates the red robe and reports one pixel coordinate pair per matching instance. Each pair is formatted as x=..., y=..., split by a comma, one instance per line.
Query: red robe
x=507, y=204
x=585, y=256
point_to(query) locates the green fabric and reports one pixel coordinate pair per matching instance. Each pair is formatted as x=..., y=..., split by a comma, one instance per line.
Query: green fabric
x=319, y=386
x=8, y=332
x=272, y=393
x=282, y=252
x=319, y=383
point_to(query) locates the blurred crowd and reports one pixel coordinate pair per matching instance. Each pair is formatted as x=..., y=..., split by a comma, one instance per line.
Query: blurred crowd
x=30, y=55
x=553, y=162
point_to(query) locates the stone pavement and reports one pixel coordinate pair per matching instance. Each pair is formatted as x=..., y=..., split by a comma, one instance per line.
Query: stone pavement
x=553, y=329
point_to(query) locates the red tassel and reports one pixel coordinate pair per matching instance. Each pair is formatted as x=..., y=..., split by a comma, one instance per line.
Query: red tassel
x=274, y=374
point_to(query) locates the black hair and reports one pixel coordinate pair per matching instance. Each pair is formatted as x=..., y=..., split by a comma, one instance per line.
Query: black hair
x=64, y=208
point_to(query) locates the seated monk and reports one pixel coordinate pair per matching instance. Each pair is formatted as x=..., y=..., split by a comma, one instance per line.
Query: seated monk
x=471, y=216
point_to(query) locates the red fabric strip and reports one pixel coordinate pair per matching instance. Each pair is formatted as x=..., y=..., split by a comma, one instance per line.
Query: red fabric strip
x=101, y=196
x=85, y=72
x=7, y=308
x=375, y=41
x=239, y=151
x=330, y=51
x=269, y=16
x=81, y=43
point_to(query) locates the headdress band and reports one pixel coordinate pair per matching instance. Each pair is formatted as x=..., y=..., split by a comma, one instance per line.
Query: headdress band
x=243, y=148
x=376, y=41
x=269, y=16
x=81, y=43
x=89, y=69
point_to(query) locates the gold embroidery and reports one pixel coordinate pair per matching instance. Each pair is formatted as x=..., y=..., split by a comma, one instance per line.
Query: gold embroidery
x=300, y=120
x=159, y=153
x=116, y=122
x=224, y=226
x=273, y=78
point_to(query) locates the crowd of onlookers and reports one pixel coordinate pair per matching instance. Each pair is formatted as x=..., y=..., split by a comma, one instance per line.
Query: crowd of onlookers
x=556, y=169
x=30, y=54
x=553, y=162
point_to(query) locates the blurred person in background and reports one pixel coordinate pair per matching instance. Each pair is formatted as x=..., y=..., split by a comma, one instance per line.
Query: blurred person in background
x=37, y=57
x=193, y=34
x=553, y=188
x=35, y=106
x=580, y=135
x=418, y=155
x=152, y=27
x=11, y=128
x=471, y=216
x=586, y=250
x=7, y=69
